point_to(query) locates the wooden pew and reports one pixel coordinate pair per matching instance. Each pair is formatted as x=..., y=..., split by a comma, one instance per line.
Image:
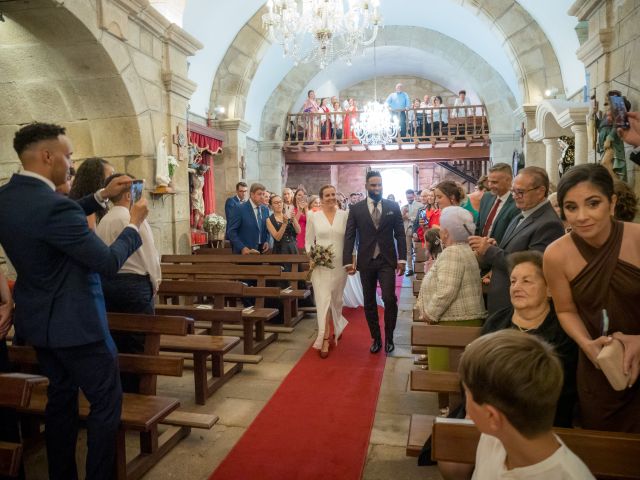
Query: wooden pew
x=454, y=338
x=202, y=347
x=609, y=455
x=254, y=341
x=215, y=319
x=144, y=412
x=15, y=393
x=206, y=267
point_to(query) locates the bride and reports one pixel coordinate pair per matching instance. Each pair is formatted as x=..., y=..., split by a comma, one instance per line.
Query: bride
x=326, y=227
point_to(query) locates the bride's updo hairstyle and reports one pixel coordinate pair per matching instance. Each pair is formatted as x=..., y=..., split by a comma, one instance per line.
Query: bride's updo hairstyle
x=322, y=189
x=593, y=173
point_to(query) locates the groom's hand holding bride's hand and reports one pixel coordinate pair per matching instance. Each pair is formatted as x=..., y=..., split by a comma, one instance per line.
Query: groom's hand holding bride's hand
x=400, y=268
x=351, y=269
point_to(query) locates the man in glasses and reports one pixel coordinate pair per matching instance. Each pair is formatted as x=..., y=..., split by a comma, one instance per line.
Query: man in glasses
x=534, y=228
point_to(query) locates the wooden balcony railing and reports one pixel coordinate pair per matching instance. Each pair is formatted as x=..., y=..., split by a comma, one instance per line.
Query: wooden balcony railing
x=455, y=126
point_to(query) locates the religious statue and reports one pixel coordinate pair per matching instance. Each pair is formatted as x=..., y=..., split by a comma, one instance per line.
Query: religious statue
x=611, y=148
x=163, y=179
x=196, y=192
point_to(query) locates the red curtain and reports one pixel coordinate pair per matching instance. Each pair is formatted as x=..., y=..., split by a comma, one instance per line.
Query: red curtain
x=208, y=146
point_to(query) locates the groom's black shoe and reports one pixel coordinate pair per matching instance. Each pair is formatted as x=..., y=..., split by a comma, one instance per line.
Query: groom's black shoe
x=389, y=346
x=376, y=345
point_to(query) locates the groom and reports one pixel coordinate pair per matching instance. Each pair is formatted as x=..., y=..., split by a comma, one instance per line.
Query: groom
x=379, y=228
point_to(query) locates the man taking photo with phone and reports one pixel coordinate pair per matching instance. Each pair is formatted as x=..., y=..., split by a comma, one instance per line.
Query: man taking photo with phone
x=132, y=289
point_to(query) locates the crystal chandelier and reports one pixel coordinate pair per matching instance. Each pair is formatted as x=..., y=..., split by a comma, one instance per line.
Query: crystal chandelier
x=322, y=30
x=376, y=125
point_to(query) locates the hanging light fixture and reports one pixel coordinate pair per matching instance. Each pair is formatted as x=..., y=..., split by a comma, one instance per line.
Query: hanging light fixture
x=376, y=125
x=321, y=31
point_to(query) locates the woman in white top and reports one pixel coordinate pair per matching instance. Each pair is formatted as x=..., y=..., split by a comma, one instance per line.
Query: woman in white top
x=327, y=227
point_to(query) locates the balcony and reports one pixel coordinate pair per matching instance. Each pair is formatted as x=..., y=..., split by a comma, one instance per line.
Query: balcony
x=432, y=135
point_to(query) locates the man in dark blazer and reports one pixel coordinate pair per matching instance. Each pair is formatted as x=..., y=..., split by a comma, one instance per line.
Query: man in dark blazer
x=233, y=202
x=379, y=228
x=247, y=228
x=497, y=207
x=59, y=304
x=533, y=229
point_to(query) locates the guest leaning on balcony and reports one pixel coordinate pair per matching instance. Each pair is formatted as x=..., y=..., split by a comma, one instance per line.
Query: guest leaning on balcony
x=440, y=117
x=451, y=293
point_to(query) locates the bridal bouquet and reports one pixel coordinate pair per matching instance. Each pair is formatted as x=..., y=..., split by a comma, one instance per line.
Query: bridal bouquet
x=320, y=256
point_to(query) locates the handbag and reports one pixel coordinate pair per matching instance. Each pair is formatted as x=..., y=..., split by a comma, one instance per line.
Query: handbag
x=611, y=362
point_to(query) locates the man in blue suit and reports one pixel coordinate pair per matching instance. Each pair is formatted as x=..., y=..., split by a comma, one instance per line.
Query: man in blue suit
x=247, y=227
x=59, y=304
x=232, y=202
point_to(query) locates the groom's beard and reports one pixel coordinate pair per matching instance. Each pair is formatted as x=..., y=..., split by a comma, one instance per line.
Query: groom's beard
x=376, y=197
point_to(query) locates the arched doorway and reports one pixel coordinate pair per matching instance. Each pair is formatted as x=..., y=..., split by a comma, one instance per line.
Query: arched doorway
x=396, y=180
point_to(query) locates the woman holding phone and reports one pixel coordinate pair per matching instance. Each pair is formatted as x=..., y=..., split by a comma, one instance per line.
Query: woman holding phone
x=283, y=227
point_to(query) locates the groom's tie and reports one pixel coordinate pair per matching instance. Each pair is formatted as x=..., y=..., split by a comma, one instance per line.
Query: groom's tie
x=375, y=215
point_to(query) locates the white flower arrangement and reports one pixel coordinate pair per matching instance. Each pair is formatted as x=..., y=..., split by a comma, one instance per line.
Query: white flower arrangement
x=214, y=224
x=173, y=164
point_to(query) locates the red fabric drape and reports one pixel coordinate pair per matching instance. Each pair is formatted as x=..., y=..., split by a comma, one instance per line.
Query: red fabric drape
x=209, y=146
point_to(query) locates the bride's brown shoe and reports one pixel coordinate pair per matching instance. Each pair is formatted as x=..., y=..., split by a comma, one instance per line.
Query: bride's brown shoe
x=324, y=353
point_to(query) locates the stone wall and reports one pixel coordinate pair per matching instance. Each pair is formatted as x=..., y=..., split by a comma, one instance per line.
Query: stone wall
x=312, y=177
x=611, y=54
x=415, y=87
x=116, y=79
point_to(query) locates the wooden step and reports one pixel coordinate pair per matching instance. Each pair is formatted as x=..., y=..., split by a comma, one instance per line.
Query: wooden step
x=419, y=430
x=190, y=419
x=240, y=358
x=267, y=328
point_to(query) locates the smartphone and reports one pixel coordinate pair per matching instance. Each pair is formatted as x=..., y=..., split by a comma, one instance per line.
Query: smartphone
x=618, y=111
x=136, y=190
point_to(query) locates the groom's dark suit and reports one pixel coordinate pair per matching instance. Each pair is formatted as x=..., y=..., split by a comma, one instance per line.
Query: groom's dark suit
x=390, y=238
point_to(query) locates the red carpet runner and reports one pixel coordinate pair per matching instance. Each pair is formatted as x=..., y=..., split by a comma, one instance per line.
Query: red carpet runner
x=317, y=425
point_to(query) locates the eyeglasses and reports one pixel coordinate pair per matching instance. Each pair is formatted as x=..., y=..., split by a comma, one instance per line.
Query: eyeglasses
x=520, y=193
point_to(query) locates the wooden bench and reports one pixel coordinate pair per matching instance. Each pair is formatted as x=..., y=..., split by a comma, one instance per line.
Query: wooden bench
x=202, y=347
x=15, y=393
x=144, y=412
x=255, y=338
x=452, y=337
x=205, y=267
x=609, y=455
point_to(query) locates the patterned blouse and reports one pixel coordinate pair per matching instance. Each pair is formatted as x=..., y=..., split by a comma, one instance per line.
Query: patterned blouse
x=452, y=290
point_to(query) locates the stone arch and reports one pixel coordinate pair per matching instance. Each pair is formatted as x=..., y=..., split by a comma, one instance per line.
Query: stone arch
x=530, y=51
x=460, y=62
x=57, y=65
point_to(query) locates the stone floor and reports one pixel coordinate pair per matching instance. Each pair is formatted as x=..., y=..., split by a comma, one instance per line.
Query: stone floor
x=240, y=400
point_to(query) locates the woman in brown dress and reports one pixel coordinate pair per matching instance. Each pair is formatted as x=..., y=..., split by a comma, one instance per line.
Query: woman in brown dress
x=594, y=268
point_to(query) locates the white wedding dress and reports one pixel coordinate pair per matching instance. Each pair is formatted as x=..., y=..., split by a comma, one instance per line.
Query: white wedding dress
x=328, y=283
x=353, y=296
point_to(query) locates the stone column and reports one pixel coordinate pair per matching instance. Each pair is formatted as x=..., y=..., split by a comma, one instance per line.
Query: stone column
x=271, y=159
x=534, y=154
x=227, y=169
x=502, y=146
x=580, y=134
x=552, y=150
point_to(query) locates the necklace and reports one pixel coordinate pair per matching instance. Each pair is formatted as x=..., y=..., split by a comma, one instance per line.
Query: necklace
x=538, y=321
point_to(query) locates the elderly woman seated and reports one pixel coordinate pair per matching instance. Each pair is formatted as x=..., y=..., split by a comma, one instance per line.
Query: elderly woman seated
x=451, y=292
x=533, y=312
